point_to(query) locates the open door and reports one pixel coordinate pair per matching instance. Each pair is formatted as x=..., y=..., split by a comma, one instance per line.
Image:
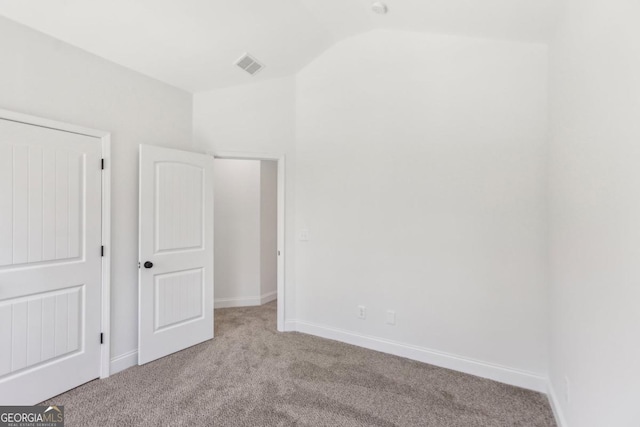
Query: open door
x=176, y=251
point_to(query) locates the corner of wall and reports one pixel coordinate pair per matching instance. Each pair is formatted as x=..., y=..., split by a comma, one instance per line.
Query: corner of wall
x=555, y=405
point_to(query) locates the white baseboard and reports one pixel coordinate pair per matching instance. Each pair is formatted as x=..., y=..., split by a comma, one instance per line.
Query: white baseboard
x=244, y=301
x=503, y=374
x=290, y=326
x=268, y=297
x=124, y=361
x=236, y=302
x=555, y=406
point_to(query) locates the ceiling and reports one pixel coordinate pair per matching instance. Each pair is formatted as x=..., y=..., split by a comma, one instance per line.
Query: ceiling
x=193, y=44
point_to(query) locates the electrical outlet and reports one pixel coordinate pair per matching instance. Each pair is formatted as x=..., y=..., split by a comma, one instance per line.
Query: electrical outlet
x=391, y=317
x=303, y=236
x=567, y=395
x=362, y=312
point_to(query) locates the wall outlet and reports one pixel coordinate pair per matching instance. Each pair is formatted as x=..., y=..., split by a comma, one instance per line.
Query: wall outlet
x=362, y=312
x=567, y=394
x=303, y=236
x=391, y=317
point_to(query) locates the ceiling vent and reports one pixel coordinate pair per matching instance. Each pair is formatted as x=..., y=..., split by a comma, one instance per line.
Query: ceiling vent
x=380, y=8
x=249, y=64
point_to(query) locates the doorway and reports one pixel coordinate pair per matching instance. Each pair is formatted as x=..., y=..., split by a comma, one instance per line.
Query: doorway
x=249, y=232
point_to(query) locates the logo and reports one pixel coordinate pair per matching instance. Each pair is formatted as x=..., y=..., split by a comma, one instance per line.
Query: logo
x=31, y=416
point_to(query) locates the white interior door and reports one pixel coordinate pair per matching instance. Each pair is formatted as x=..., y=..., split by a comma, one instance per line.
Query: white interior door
x=176, y=251
x=50, y=261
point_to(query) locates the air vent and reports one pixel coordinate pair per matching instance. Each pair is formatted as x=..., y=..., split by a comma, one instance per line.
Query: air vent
x=380, y=8
x=249, y=64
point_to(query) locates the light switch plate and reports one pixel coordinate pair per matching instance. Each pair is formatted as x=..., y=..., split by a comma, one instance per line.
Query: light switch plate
x=362, y=312
x=391, y=317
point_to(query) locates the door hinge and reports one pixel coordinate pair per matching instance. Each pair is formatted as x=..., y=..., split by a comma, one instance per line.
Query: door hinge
x=101, y=250
x=101, y=163
x=101, y=338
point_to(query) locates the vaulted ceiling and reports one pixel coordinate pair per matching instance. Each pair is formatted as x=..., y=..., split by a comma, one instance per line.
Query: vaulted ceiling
x=193, y=44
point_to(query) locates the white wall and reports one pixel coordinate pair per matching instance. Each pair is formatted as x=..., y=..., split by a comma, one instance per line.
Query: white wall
x=595, y=211
x=44, y=77
x=420, y=171
x=237, y=224
x=256, y=118
x=245, y=232
x=268, y=229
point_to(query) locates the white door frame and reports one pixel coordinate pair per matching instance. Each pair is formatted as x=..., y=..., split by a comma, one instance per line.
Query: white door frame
x=105, y=139
x=280, y=160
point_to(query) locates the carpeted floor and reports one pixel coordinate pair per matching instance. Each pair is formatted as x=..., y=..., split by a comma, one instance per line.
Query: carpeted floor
x=251, y=375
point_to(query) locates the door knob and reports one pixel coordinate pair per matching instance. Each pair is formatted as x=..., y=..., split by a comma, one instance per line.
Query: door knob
x=148, y=264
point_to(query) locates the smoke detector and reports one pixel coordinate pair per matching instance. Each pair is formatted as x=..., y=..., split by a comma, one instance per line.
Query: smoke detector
x=249, y=64
x=379, y=8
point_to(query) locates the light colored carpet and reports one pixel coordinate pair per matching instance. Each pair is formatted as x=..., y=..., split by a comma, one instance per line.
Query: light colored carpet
x=251, y=375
